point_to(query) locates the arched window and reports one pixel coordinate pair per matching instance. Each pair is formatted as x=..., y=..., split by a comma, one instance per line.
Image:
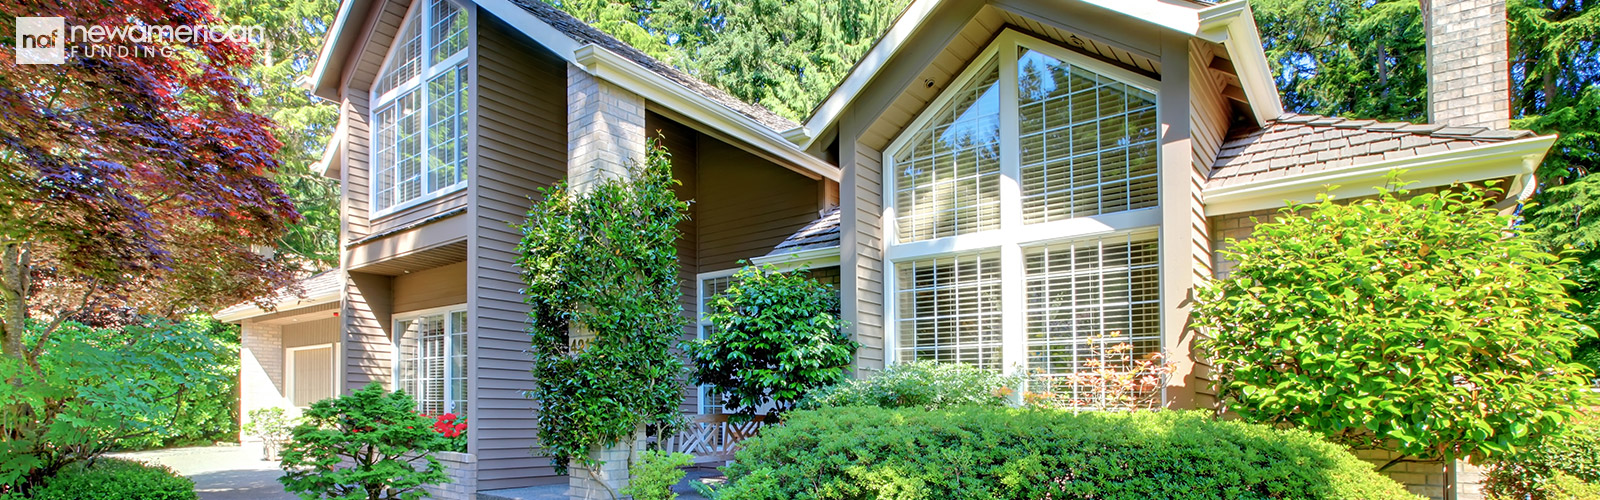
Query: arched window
x=1022, y=217
x=419, y=103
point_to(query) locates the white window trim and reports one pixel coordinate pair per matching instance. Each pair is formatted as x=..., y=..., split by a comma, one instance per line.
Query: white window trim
x=394, y=359
x=1013, y=234
x=427, y=71
x=288, y=364
x=700, y=324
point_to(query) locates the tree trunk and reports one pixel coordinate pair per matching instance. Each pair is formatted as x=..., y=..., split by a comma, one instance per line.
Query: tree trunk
x=15, y=264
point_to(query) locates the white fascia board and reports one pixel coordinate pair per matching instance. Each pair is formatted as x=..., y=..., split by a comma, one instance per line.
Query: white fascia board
x=326, y=59
x=282, y=305
x=865, y=70
x=813, y=258
x=329, y=163
x=541, y=32
x=1491, y=161
x=1233, y=25
x=1171, y=16
x=654, y=87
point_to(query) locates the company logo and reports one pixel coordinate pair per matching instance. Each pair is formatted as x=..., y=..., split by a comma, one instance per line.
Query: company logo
x=41, y=40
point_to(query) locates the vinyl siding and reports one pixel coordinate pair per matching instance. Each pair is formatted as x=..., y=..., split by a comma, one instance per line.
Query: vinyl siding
x=746, y=205
x=870, y=319
x=304, y=333
x=681, y=142
x=437, y=287
x=1209, y=114
x=520, y=146
x=368, y=351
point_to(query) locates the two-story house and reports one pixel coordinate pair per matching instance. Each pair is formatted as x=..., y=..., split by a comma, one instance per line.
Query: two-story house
x=996, y=183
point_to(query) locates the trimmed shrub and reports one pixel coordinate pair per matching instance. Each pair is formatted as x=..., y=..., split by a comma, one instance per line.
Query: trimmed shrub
x=113, y=479
x=655, y=474
x=1023, y=453
x=371, y=444
x=919, y=384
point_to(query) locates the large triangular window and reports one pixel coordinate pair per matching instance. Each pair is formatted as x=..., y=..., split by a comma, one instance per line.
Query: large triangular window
x=419, y=103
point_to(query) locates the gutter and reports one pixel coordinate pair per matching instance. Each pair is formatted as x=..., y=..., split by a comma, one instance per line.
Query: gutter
x=1514, y=159
x=813, y=258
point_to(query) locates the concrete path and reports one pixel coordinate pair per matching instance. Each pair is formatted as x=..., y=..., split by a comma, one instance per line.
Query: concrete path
x=221, y=472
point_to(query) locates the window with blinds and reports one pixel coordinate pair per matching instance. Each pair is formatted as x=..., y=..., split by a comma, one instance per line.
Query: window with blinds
x=1077, y=297
x=947, y=179
x=1084, y=299
x=432, y=364
x=949, y=309
x=420, y=108
x=1088, y=141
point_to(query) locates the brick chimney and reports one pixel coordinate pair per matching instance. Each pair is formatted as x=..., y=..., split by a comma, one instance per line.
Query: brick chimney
x=1469, y=69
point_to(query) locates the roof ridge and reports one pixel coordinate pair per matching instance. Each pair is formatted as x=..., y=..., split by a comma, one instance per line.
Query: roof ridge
x=1423, y=129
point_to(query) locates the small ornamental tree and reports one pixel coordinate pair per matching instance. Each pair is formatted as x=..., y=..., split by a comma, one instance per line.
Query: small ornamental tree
x=364, y=446
x=1420, y=324
x=775, y=337
x=602, y=276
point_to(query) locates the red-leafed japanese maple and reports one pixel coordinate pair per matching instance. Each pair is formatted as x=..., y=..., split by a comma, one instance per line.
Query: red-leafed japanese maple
x=128, y=184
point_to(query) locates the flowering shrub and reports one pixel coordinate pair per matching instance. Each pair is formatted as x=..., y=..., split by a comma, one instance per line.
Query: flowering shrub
x=454, y=429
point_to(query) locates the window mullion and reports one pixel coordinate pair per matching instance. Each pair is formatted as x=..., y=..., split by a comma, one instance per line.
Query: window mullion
x=1012, y=300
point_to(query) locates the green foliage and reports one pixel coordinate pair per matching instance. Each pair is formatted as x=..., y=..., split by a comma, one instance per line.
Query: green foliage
x=1006, y=453
x=1538, y=472
x=363, y=446
x=1353, y=58
x=112, y=479
x=81, y=402
x=1414, y=323
x=929, y=385
x=785, y=55
x=602, y=278
x=294, y=30
x=775, y=337
x=655, y=474
x=272, y=426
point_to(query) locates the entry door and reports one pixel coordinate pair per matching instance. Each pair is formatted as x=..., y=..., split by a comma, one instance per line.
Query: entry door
x=310, y=374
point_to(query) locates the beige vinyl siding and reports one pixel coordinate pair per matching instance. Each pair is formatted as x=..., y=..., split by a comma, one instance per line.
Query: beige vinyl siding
x=520, y=120
x=368, y=352
x=1209, y=114
x=427, y=289
x=680, y=141
x=312, y=376
x=304, y=333
x=367, y=59
x=445, y=203
x=746, y=205
x=868, y=244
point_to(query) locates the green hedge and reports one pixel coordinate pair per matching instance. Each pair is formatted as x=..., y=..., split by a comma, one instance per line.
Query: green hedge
x=112, y=479
x=985, y=452
x=919, y=384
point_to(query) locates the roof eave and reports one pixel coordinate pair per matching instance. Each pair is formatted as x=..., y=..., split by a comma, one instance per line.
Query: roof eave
x=244, y=313
x=1233, y=25
x=329, y=164
x=813, y=258
x=654, y=87
x=324, y=80
x=1490, y=161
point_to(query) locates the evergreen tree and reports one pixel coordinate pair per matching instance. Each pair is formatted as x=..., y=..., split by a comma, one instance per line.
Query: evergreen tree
x=285, y=56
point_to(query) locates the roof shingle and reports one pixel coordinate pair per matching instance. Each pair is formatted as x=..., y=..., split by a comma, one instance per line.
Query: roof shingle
x=820, y=233
x=1294, y=144
x=316, y=285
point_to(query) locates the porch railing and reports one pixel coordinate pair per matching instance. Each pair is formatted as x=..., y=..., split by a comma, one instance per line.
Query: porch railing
x=713, y=438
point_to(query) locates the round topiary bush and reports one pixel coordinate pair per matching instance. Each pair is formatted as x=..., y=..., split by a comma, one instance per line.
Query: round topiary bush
x=112, y=479
x=1008, y=453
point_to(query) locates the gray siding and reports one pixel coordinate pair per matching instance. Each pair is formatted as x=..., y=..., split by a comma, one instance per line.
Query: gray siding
x=304, y=333
x=520, y=146
x=368, y=351
x=681, y=141
x=437, y=287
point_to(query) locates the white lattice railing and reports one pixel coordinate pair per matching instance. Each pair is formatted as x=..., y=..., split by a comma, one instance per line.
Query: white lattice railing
x=712, y=438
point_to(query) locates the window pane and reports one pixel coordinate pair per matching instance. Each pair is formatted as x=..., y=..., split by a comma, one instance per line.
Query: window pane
x=383, y=141
x=947, y=178
x=949, y=309
x=405, y=59
x=430, y=365
x=447, y=109
x=407, y=137
x=448, y=31
x=1088, y=141
x=406, y=376
x=1091, y=305
x=458, y=363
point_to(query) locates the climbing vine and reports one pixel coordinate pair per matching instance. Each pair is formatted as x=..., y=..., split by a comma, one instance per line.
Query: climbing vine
x=602, y=278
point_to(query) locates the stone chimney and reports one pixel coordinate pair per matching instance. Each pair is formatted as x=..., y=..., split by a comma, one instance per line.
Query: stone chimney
x=1469, y=69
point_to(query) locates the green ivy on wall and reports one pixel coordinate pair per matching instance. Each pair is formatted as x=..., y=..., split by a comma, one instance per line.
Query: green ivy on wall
x=602, y=278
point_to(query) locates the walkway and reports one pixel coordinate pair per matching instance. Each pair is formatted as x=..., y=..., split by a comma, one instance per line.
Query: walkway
x=229, y=472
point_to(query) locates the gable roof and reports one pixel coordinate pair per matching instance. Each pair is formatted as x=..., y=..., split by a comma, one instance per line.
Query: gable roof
x=608, y=58
x=1294, y=144
x=320, y=288
x=583, y=33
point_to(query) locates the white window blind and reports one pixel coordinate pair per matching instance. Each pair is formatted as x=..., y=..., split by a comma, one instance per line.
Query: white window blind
x=433, y=361
x=420, y=109
x=949, y=309
x=948, y=177
x=710, y=287
x=1088, y=141
x=1085, y=297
